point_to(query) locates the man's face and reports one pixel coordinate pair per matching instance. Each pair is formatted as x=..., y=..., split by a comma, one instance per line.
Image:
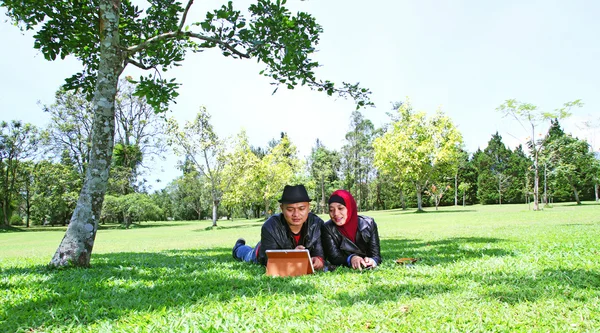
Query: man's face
x=295, y=214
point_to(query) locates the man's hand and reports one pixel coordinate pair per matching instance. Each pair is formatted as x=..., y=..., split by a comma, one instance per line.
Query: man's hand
x=358, y=262
x=300, y=247
x=317, y=263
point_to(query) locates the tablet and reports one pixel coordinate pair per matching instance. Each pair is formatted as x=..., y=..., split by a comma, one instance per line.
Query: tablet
x=289, y=262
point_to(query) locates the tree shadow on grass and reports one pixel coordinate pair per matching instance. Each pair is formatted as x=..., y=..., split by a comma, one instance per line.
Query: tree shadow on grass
x=450, y=211
x=10, y=229
x=445, y=251
x=13, y=229
x=431, y=254
x=379, y=293
x=108, y=226
x=510, y=287
x=413, y=211
x=121, y=283
x=141, y=225
x=238, y=226
x=560, y=284
x=574, y=204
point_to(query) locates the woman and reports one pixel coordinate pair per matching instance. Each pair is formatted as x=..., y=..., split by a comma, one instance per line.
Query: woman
x=349, y=239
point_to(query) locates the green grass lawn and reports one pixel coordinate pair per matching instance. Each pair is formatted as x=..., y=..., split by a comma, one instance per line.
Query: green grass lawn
x=482, y=269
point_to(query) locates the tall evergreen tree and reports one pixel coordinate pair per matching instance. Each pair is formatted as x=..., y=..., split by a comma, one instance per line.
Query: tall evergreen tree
x=494, y=179
x=357, y=156
x=324, y=166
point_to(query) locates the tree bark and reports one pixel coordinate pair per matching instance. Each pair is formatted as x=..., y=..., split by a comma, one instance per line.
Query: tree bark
x=214, y=212
x=27, y=203
x=323, y=195
x=267, y=209
x=78, y=242
x=499, y=191
x=536, y=180
x=419, y=199
x=456, y=189
x=576, y=193
x=402, y=199
x=596, y=191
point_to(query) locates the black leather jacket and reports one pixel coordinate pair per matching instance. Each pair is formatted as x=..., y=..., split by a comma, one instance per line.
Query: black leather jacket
x=338, y=248
x=275, y=234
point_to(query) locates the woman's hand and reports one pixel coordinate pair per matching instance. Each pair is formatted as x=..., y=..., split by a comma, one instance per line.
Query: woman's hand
x=369, y=262
x=358, y=262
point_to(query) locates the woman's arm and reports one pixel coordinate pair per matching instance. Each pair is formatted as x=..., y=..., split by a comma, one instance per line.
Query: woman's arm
x=332, y=248
x=374, y=250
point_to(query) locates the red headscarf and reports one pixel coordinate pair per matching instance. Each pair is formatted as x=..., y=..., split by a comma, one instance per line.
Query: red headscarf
x=349, y=228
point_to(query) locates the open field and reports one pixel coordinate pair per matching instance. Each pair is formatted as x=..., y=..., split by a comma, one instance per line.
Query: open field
x=482, y=269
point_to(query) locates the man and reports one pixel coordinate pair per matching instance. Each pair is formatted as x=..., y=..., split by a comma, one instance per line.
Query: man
x=294, y=228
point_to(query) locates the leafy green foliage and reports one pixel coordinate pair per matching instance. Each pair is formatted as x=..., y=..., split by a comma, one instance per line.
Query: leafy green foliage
x=158, y=38
x=18, y=143
x=130, y=208
x=357, y=158
x=69, y=133
x=529, y=117
x=324, y=165
x=573, y=162
x=417, y=149
x=199, y=143
x=238, y=184
x=55, y=190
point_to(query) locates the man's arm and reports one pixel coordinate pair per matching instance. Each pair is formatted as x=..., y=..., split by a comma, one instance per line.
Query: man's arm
x=316, y=249
x=268, y=240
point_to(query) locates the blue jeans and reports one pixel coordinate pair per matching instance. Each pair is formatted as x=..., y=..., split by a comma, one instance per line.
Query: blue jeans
x=246, y=253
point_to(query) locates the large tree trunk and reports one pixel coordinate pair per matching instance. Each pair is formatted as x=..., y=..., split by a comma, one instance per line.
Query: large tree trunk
x=536, y=180
x=456, y=189
x=576, y=193
x=214, y=212
x=6, y=211
x=419, y=199
x=380, y=204
x=4, y=214
x=27, y=204
x=323, y=199
x=499, y=190
x=76, y=246
x=402, y=200
x=596, y=191
x=267, y=209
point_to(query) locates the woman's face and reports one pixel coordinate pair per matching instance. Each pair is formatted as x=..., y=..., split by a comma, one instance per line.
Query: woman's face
x=338, y=213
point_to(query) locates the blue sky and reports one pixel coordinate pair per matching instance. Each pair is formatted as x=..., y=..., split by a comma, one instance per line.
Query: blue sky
x=465, y=57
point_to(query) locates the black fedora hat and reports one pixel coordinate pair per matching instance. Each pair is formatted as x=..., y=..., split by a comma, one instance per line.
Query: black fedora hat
x=293, y=194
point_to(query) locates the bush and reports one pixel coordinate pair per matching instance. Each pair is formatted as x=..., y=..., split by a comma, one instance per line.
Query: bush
x=16, y=220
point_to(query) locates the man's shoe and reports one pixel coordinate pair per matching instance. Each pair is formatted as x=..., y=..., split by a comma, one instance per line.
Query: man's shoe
x=237, y=245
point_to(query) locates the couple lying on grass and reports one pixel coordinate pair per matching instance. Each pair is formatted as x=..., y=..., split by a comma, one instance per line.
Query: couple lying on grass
x=347, y=239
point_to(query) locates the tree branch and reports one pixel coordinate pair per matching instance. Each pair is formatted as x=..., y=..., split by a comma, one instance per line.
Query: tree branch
x=137, y=64
x=184, y=16
x=178, y=34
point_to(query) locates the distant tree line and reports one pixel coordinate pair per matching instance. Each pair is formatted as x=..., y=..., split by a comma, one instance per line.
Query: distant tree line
x=412, y=161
